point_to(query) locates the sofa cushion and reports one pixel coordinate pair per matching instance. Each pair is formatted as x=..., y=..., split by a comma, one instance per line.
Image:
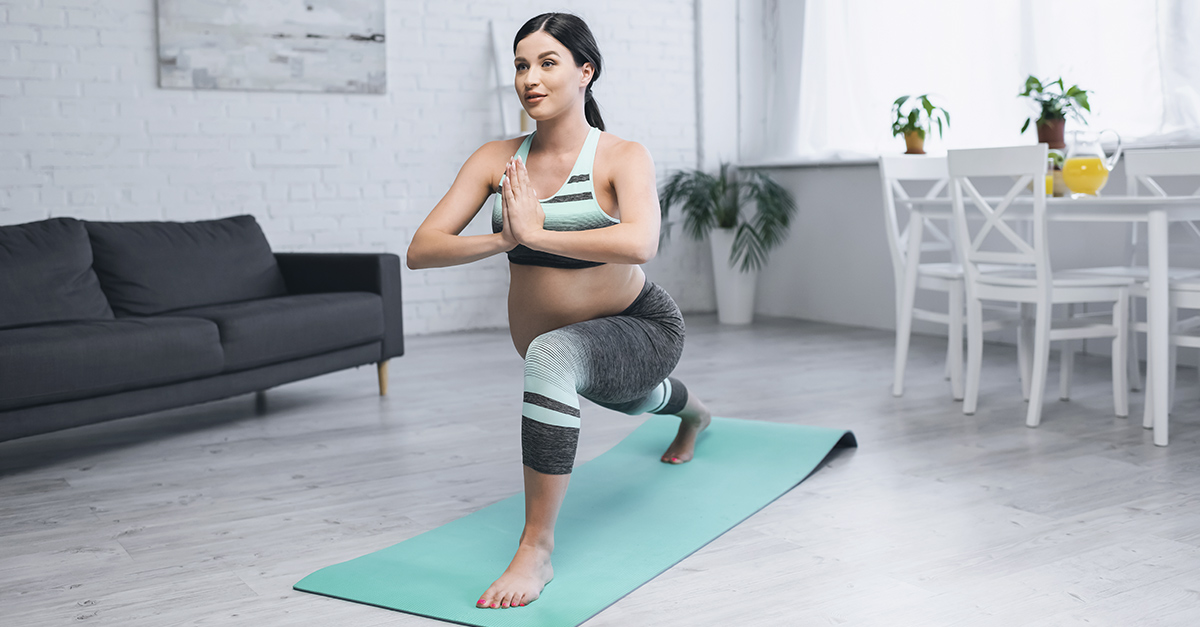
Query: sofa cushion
x=148, y=268
x=273, y=330
x=46, y=274
x=58, y=362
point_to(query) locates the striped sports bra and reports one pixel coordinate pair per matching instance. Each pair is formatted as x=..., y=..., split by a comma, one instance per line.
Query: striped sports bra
x=571, y=208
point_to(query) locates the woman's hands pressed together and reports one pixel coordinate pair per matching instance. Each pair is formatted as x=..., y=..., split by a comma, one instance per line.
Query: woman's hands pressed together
x=523, y=215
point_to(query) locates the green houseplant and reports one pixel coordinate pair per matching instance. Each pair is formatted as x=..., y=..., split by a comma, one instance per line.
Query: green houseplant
x=1055, y=102
x=914, y=115
x=717, y=208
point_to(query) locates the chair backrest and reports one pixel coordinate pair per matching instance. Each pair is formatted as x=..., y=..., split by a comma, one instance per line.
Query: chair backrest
x=1145, y=166
x=980, y=240
x=894, y=170
x=1144, y=169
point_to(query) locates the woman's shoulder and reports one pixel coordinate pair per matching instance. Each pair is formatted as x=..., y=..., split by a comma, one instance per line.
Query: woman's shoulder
x=488, y=161
x=622, y=152
x=502, y=149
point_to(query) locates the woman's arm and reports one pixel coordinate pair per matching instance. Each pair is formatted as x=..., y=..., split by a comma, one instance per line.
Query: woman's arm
x=437, y=242
x=633, y=241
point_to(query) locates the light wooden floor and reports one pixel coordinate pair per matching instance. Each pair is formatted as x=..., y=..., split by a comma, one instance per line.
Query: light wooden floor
x=208, y=515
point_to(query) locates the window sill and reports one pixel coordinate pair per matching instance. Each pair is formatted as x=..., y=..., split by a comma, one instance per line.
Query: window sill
x=783, y=163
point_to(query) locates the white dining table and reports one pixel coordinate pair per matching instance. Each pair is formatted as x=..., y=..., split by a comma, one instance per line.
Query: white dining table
x=1157, y=212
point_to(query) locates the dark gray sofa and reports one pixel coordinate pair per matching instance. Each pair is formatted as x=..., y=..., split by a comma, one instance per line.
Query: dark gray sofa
x=103, y=320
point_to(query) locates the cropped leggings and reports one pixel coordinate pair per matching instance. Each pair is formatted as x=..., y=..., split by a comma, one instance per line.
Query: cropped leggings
x=621, y=362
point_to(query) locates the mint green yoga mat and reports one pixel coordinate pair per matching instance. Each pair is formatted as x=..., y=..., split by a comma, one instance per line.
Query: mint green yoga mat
x=627, y=518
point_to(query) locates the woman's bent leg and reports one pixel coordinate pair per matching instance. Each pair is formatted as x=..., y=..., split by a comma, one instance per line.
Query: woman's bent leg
x=609, y=360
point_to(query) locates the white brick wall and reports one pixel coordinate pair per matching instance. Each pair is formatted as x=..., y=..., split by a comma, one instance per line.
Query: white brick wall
x=86, y=132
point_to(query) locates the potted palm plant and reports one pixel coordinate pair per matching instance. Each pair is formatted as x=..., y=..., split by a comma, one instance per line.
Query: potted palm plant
x=1055, y=102
x=914, y=115
x=718, y=208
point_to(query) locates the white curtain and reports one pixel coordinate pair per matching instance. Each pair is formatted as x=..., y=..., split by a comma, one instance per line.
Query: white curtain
x=1140, y=58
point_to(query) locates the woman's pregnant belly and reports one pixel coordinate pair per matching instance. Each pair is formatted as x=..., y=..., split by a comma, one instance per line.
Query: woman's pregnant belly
x=543, y=299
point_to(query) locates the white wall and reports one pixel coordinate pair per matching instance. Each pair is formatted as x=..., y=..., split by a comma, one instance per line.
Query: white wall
x=86, y=132
x=770, y=42
x=716, y=70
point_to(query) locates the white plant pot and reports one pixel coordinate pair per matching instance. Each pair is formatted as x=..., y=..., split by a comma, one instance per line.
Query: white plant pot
x=735, y=289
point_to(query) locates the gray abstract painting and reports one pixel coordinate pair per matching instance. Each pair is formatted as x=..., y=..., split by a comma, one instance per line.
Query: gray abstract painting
x=275, y=45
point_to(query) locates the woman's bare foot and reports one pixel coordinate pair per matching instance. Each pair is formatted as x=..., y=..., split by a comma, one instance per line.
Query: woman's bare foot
x=694, y=419
x=522, y=581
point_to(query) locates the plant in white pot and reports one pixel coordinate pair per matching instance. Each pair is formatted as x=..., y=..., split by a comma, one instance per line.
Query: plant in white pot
x=744, y=214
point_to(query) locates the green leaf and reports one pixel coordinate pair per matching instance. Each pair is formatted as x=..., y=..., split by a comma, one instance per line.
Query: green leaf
x=692, y=191
x=1082, y=99
x=1032, y=84
x=747, y=249
x=769, y=226
x=1026, y=124
x=901, y=100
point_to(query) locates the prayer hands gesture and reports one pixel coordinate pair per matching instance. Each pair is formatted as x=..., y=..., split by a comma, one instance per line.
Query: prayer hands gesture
x=523, y=215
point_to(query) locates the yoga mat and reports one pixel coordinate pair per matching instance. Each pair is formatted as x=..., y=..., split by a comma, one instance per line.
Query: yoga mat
x=626, y=519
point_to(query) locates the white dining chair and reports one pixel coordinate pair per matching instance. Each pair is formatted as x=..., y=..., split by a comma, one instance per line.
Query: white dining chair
x=987, y=236
x=1185, y=294
x=909, y=235
x=1147, y=171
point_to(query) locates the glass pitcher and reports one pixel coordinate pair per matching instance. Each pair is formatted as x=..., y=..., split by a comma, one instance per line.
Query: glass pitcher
x=1086, y=168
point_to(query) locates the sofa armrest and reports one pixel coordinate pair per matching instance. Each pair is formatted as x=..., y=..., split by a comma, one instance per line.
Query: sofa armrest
x=377, y=273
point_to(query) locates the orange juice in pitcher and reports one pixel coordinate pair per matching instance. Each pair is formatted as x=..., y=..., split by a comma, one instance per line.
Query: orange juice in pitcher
x=1085, y=175
x=1086, y=169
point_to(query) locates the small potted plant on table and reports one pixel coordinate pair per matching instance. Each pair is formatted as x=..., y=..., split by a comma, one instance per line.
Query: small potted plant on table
x=914, y=115
x=1055, y=102
x=718, y=208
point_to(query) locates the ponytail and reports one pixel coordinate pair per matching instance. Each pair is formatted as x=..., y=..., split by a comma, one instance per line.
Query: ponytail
x=591, y=110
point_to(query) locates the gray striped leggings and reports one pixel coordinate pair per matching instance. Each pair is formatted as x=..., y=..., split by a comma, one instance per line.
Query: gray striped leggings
x=621, y=362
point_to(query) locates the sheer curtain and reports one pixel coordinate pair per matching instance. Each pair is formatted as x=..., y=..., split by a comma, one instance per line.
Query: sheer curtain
x=1141, y=60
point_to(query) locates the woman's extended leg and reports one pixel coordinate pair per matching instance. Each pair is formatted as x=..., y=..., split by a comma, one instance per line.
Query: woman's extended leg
x=694, y=418
x=530, y=569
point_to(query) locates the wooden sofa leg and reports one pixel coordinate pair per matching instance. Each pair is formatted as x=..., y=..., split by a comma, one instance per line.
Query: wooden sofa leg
x=382, y=367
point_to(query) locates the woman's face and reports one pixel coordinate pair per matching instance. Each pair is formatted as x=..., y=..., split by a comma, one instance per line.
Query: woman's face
x=548, y=82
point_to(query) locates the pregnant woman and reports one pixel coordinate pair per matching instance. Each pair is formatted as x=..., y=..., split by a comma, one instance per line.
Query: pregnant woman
x=581, y=312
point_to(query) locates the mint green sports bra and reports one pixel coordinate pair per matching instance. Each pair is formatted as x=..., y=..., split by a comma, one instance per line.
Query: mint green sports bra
x=571, y=208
